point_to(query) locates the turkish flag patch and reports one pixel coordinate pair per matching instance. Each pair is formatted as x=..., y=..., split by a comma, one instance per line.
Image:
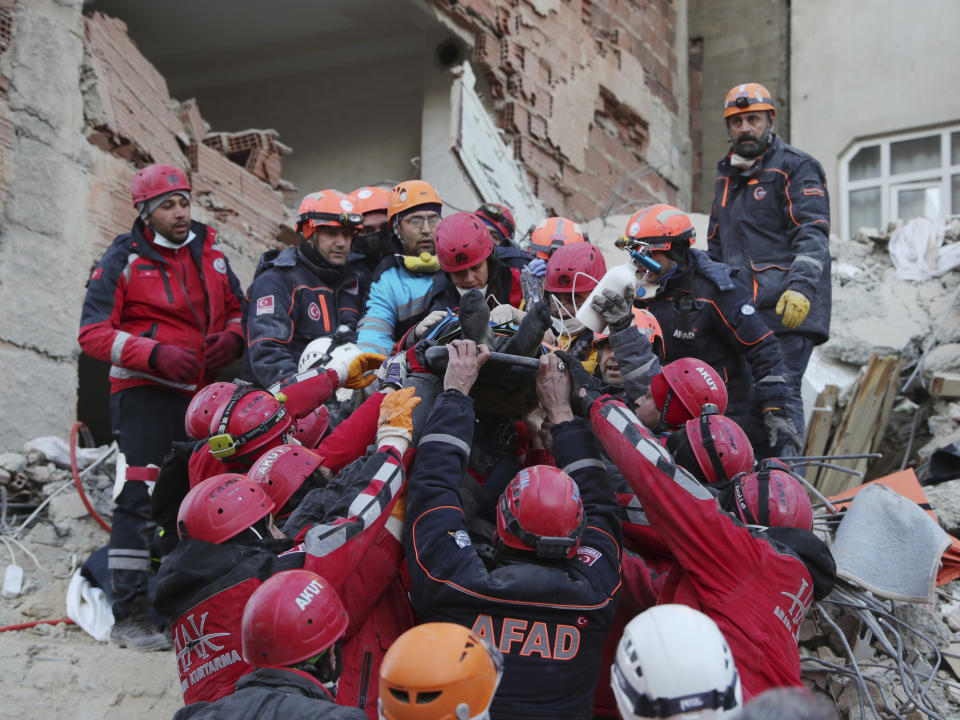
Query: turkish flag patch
x=588, y=555
x=265, y=305
x=97, y=274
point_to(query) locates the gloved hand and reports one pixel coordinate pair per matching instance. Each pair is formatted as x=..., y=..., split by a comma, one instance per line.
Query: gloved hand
x=794, y=307
x=531, y=285
x=357, y=371
x=537, y=267
x=428, y=323
x=775, y=420
x=393, y=372
x=505, y=314
x=221, y=348
x=395, y=426
x=614, y=308
x=175, y=363
x=585, y=388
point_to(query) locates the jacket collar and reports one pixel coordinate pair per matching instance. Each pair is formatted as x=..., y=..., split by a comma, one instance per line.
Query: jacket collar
x=286, y=679
x=726, y=168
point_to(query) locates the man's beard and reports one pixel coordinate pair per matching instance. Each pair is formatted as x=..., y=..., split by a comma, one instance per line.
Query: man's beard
x=748, y=146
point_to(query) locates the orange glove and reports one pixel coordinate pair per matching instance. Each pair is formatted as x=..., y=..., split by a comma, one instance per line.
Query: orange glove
x=396, y=419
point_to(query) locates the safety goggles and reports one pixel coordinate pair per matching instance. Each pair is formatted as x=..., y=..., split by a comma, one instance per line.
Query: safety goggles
x=645, y=706
x=552, y=548
x=417, y=221
x=351, y=220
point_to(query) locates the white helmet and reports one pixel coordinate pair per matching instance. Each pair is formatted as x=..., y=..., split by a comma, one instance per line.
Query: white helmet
x=323, y=353
x=673, y=662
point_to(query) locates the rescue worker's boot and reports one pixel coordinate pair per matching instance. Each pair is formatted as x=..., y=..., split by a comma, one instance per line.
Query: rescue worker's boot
x=139, y=631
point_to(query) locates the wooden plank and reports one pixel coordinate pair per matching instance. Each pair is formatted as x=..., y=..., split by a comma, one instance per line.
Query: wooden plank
x=893, y=389
x=857, y=428
x=945, y=384
x=821, y=421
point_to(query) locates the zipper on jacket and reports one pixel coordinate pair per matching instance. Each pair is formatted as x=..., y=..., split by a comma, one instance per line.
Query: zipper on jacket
x=364, y=679
x=166, y=283
x=151, y=333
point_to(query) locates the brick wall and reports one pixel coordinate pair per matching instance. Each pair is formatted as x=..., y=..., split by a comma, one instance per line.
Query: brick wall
x=589, y=92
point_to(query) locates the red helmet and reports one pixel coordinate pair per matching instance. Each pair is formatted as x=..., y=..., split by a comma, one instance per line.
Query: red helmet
x=683, y=387
x=772, y=498
x=294, y=616
x=155, y=180
x=747, y=97
x=552, y=234
x=462, y=241
x=371, y=199
x=311, y=428
x=203, y=406
x=541, y=510
x=220, y=507
x=575, y=268
x=660, y=226
x=500, y=217
x=282, y=470
x=327, y=207
x=720, y=446
x=250, y=420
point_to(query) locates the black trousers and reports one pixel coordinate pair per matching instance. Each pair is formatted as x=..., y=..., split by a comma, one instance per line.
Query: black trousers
x=146, y=420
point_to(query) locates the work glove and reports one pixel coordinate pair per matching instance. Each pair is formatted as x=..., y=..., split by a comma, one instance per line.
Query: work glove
x=356, y=370
x=221, y=348
x=537, y=267
x=794, y=307
x=395, y=426
x=615, y=309
x=393, y=372
x=428, y=323
x=775, y=420
x=580, y=380
x=531, y=285
x=175, y=363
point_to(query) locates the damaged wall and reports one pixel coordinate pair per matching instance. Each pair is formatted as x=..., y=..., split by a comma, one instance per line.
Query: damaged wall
x=587, y=92
x=79, y=111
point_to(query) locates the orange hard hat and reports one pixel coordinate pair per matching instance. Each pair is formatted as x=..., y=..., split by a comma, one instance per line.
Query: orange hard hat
x=551, y=234
x=327, y=207
x=748, y=97
x=371, y=198
x=410, y=194
x=660, y=226
x=647, y=323
x=434, y=669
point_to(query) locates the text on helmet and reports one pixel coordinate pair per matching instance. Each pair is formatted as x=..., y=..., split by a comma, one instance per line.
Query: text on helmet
x=307, y=595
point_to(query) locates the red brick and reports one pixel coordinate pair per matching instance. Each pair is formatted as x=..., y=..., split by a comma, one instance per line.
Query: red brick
x=486, y=50
x=516, y=118
x=543, y=163
x=537, y=126
x=192, y=119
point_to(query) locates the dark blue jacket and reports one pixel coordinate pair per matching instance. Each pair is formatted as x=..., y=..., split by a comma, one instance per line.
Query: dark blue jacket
x=706, y=313
x=293, y=300
x=772, y=222
x=549, y=619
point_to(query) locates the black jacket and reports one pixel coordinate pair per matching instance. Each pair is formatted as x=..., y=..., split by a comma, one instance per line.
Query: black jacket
x=292, y=300
x=705, y=313
x=272, y=694
x=549, y=619
x=772, y=222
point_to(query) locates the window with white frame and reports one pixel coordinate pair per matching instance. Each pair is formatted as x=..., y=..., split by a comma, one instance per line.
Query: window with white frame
x=900, y=176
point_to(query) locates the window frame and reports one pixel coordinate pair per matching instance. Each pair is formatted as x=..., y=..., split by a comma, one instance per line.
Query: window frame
x=886, y=181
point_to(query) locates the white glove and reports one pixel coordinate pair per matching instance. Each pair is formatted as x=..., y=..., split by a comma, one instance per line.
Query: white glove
x=428, y=322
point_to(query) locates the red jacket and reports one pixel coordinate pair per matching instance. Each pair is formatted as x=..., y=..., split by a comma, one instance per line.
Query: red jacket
x=753, y=585
x=141, y=294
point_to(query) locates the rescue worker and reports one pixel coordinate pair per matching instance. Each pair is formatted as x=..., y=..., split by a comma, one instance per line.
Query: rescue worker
x=229, y=545
x=499, y=222
x=163, y=307
x=548, y=595
x=673, y=662
x=375, y=239
x=548, y=236
x=402, y=282
x=301, y=293
x=706, y=313
x=573, y=271
x=755, y=576
x=630, y=355
x=292, y=629
x=439, y=670
x=678, y=393
x=771, y=220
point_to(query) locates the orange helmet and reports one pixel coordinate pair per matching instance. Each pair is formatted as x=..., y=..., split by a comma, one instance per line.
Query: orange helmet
x=371, y=199
x=433, y=670
x=327, y=207
x=411, y=194
x=747, y=97
x=660, y=226
x=646, y=322
x=551, y=234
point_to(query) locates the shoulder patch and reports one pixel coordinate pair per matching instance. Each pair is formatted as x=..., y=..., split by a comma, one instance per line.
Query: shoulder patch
x=265, y=305
x=588, y=555
x=97, y=274
x=747, y=309
x=461, y=538
x=220, y=265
